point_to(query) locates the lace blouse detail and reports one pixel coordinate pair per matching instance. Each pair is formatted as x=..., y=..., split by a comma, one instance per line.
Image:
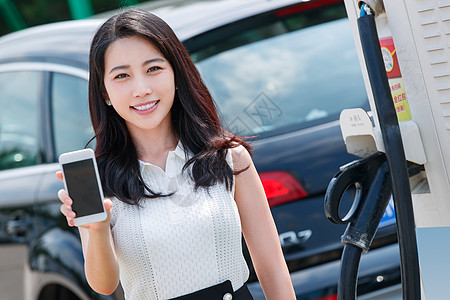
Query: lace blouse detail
x=171, y=246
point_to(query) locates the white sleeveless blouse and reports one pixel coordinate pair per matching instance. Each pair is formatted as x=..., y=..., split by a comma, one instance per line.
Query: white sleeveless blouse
x=175, y=245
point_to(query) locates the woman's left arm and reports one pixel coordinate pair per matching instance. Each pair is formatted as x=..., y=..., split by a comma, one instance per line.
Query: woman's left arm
x=259, y=230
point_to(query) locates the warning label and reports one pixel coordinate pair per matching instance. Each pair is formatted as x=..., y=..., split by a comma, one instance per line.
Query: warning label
x=395, y=79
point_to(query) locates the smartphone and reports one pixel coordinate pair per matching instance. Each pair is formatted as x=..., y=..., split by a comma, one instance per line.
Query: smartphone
x=83, y=185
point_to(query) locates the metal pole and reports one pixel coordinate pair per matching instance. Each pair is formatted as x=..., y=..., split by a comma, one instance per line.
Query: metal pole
x=128, y=2
x=12, y=16
x=80, y=9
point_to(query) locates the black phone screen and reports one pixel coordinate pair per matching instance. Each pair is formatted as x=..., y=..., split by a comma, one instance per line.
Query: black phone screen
x=82, y=187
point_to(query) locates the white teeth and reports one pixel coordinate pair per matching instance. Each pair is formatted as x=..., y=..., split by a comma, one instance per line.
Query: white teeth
x=145, y=107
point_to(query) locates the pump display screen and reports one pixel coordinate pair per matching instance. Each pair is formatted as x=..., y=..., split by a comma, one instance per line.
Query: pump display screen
x=389, y=215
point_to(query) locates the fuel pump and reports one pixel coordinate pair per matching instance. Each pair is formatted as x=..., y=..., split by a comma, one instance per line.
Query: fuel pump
x=404, y=50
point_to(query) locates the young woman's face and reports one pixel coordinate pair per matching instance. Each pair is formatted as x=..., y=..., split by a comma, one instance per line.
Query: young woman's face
x=140, y=84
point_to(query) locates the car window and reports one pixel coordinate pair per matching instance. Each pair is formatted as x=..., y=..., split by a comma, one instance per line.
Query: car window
x=19, y=118
x=70, y=110
x=288, y=73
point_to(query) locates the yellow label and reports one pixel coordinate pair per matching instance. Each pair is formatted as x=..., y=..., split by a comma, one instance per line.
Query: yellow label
x=400, y=100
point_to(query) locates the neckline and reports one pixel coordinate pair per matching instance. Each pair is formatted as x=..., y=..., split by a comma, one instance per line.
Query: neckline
x=178, y=151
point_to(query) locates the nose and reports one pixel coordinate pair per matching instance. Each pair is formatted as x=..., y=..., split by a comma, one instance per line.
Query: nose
x=141, y=87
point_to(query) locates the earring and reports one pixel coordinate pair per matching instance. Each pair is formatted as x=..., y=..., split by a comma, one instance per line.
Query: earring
x=108, y=102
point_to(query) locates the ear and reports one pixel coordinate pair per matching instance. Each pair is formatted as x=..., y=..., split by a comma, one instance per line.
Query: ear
x=105, y=95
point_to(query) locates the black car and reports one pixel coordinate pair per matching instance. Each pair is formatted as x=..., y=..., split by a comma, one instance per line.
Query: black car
x=279, y=71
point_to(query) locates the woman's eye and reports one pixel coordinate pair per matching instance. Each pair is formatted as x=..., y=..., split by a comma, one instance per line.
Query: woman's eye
x=120, y=76
x=154, y=69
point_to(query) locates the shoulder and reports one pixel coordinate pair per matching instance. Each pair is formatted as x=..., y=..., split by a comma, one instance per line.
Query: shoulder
x=241, y=157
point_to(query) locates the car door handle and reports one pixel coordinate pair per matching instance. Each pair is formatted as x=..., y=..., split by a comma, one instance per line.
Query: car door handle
x=18, y=226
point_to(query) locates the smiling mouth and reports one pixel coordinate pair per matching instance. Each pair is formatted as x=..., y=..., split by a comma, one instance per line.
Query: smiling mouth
x=145, y=106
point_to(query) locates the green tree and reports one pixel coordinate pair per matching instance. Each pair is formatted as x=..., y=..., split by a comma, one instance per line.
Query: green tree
x=28, y=13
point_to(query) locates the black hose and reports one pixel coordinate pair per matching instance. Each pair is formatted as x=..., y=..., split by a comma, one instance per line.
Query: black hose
x=351, y=256
x=374, y=179
x=395, y=155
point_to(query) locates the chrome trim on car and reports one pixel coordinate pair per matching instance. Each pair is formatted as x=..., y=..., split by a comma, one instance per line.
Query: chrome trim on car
x=42, y=66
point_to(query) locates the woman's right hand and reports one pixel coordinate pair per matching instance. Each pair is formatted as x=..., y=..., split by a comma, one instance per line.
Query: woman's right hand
x=66, y=210
x=101, y=267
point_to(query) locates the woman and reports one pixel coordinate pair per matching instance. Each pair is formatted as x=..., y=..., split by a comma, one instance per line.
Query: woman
x=180, y=190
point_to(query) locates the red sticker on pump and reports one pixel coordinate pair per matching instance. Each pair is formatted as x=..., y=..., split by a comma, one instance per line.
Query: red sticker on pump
x=390, y=57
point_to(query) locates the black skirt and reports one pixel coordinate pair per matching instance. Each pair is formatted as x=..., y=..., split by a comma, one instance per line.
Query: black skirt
x=222, y=291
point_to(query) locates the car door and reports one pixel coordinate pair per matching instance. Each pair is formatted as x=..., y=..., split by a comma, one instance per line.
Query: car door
x=69, y=126
x=69, y=129
x=20, y=171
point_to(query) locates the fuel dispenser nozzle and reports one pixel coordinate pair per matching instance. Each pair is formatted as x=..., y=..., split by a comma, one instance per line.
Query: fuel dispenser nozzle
x=370, y=177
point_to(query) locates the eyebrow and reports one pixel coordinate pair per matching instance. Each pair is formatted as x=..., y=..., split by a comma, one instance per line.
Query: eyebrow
x=156, y=59
x=147, y=62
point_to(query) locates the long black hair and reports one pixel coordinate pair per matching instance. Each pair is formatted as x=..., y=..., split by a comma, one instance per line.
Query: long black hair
x=193, y=114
